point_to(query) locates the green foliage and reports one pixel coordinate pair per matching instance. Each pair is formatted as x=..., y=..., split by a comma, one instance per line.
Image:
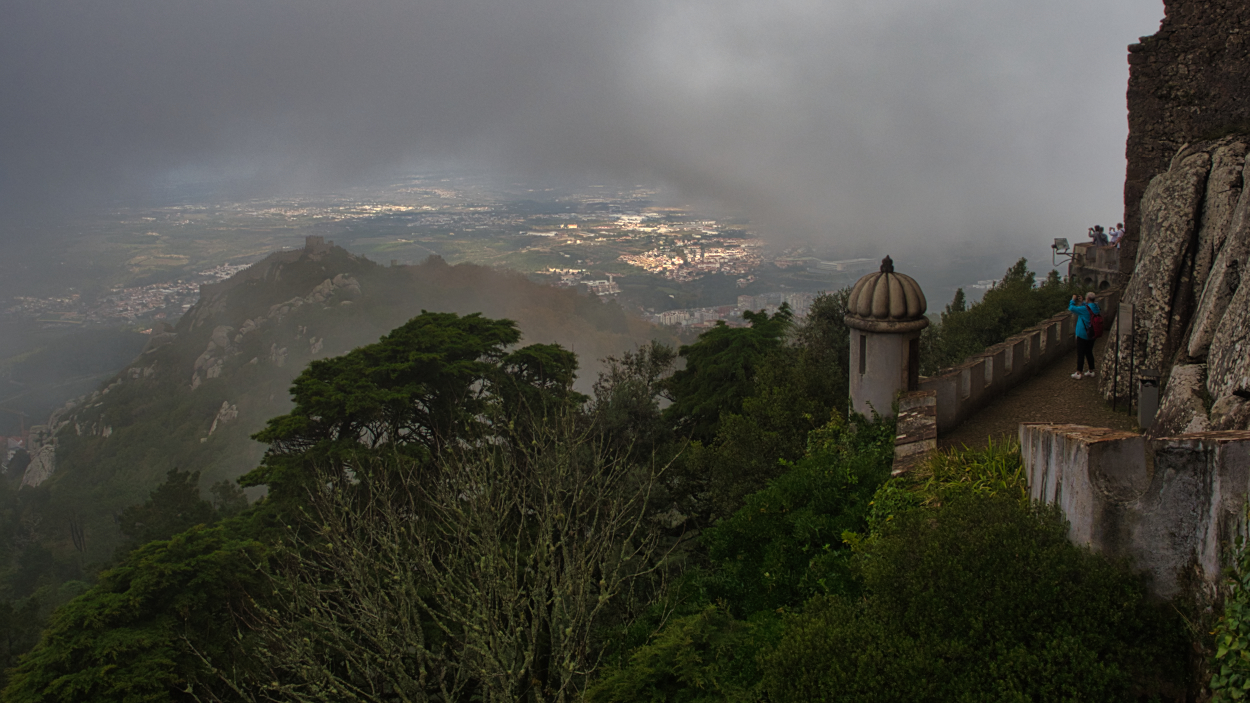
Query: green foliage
x=627, y=399
x=996, y=469
x=487, y=581
x=1012, y=305
x=435, y=379
x=797, y=387
x=982, y=599
x=125, y=639
x=1230, y=679
x=786, y=543
x=228, y=498
x=707, y=657
x=822, y=342
x=720, y=371
x=20, y=625
x=173, y=507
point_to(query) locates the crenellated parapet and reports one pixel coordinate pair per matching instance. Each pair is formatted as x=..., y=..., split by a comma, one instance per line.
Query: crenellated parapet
x=967, y=387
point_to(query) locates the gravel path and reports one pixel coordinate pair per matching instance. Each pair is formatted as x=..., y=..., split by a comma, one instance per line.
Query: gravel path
x=1050, y=396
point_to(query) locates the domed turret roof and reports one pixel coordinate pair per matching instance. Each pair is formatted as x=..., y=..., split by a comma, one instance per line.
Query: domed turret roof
x=887, y=302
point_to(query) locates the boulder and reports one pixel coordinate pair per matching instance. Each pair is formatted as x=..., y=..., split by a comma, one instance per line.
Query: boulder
x=1182, y=408
x=42, y=464
x=227, y=413
x=158, y=340
x=1223, y=280
x=1228, y=359
x=221, y=336
x=346, y=285
x=1230, y=413
x=1228, y=157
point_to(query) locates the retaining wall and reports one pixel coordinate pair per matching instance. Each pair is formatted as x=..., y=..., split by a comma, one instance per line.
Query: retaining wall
x=964, y=389
x=1172, y=505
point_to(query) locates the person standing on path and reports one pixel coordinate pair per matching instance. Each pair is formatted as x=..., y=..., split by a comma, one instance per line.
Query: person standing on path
x=1084, y=332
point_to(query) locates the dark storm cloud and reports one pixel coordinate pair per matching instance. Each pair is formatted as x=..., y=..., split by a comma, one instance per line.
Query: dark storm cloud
x=864, y=122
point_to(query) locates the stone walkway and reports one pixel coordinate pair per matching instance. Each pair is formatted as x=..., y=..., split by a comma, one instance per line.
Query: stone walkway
x=1050, y=396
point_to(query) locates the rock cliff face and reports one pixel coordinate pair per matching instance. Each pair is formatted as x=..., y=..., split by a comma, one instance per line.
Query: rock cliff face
x=1187, y=83
x=1191, y=312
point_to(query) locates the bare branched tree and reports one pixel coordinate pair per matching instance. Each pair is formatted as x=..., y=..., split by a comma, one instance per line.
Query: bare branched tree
x=488, y=579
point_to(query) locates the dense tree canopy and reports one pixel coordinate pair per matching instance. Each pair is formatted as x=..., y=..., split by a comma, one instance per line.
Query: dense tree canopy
x=438, y=378
x=720, y=370
x=477, y=531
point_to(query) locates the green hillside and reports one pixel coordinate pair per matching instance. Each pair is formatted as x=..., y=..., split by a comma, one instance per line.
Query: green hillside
x=193, y=398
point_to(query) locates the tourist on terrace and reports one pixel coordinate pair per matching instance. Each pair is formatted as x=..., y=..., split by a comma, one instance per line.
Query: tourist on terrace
x=1085, y=312
x=1097, y=237
x=1117, y=233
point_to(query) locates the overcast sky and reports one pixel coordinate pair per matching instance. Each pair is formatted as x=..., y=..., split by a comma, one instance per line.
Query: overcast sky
x=925, y=122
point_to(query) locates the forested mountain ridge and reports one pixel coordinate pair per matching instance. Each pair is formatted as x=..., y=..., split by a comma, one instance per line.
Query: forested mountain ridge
x=195, y=395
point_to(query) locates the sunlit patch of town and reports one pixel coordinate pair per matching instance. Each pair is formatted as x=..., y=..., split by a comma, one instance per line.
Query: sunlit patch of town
x=799, y=305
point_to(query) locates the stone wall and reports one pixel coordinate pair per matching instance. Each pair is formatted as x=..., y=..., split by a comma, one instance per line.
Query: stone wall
x=1171, y=506
x=1188, y=82
x=1096, y=268
x=966, y=388
x=916, y=432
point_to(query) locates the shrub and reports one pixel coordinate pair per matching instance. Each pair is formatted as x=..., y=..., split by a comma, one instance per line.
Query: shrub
x=1230, y=679
x=786, y=543
x=982, y=599
x=702, y=658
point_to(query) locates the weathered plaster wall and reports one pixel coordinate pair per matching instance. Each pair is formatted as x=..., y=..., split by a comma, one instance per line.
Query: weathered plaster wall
x=884, y=361
x=1188, y=82
x=1170, y=505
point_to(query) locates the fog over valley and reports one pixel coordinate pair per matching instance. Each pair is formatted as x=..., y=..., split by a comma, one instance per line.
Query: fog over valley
x=147, y=143
x=906, y=122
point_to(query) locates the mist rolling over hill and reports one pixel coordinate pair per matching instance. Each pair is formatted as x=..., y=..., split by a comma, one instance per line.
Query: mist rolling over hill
x=201, y=387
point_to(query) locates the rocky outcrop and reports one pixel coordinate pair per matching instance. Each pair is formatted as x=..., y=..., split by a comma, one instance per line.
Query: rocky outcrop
x=1222, y=279
x=227, y=413
x=42, y=451
x=1228, y=358
x=225, y=342
x=1162, y=282
x=1230, y=413
x=1191, y=313
x=1182, y=407
x=1187, y=83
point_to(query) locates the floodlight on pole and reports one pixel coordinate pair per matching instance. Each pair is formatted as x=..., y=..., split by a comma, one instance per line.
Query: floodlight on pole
x=1060, y=248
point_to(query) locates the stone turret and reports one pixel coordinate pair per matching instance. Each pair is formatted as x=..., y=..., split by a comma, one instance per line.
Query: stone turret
x=886, y=314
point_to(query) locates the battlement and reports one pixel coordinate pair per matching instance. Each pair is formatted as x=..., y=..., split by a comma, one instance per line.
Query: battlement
x=969, y=386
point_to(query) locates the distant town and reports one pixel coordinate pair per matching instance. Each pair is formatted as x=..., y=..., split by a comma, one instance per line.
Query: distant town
x=156, y=302
x=671, y=265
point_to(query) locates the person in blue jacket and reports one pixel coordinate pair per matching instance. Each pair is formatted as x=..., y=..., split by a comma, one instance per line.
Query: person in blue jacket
x=1085, y=312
